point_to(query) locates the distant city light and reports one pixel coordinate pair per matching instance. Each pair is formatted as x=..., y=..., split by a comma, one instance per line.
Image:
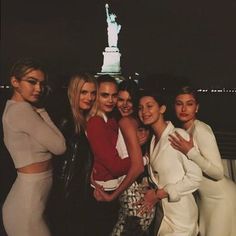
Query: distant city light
x=221, y=90
x=4, y=86
x=200, y=90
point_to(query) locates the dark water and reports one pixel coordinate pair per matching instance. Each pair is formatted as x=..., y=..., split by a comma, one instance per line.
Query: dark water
x=219, y=111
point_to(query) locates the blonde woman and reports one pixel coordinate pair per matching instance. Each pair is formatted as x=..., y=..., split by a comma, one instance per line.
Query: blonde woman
x=78, y=162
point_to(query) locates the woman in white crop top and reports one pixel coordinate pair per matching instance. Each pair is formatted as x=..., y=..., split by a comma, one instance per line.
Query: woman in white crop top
x=31, y=138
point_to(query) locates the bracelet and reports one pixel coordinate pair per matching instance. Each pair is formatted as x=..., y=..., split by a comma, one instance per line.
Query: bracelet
x=145, y=160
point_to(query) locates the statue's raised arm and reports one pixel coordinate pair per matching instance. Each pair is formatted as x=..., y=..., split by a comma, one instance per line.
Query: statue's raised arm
x=107, y=12
x=113, y=28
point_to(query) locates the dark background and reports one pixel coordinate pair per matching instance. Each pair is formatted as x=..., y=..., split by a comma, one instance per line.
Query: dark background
x=172, y=38
x=194, y=39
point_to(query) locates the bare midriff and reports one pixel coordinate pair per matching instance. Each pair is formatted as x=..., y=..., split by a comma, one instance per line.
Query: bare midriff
x=36, y=167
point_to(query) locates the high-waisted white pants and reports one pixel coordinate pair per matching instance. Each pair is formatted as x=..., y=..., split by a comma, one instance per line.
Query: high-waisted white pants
x=25, y=204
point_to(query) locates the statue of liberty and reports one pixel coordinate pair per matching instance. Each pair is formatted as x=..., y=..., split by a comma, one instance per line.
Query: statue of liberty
x=113, y=28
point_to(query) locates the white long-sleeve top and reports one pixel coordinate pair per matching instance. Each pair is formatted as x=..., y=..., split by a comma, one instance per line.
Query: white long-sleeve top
x=217, y=203
x=206, y=153
x=30, y=136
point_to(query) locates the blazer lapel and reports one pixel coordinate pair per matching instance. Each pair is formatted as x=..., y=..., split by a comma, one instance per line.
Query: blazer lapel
x=156, y=150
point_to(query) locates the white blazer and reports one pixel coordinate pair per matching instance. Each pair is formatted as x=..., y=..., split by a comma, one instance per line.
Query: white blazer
x=180, y=177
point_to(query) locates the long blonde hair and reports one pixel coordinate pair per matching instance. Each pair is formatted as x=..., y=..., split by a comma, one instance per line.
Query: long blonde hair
x=74, y=89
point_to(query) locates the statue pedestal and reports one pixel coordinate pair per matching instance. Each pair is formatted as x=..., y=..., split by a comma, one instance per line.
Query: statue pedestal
x=111, y=61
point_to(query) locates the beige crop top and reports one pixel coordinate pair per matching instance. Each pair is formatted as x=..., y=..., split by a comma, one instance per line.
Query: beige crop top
x=30, y=136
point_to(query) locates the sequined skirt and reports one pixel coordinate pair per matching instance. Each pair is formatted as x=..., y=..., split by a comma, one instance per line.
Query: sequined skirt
x=130, y=222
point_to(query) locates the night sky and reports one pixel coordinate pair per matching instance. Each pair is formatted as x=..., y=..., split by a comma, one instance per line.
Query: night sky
x=194, y=39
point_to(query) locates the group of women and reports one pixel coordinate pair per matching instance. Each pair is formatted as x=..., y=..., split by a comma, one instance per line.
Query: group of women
x=126, y=170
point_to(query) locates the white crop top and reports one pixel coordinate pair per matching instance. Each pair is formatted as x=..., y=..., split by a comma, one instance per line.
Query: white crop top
x=30, y=136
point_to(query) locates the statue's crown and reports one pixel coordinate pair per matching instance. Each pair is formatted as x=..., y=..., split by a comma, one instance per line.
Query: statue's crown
x=112, y=15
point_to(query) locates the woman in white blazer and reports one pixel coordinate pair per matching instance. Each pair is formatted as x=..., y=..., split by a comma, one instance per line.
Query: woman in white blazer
x=217, y=200
x=174, y=176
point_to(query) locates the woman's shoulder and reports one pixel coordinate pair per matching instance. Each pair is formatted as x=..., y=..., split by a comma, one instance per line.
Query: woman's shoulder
x=201, y=127
x=128, y=124
x=17, y=108
x=128, y=120
x=95, y=118
x=15, y=104
x=95, y=121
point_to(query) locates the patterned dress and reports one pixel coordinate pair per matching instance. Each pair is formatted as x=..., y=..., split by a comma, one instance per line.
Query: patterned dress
x=129, y=221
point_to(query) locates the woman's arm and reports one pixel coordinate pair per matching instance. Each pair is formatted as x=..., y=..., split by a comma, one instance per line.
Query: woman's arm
x=174, y=191
x=43, y=113
x=191, y=179
x=188, y=184
x=22, y=117
x=150, y=199
x=104, y=151
x=128, y=128
x=206, y=155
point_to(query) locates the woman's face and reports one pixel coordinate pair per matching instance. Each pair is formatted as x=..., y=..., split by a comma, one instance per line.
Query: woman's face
x=149, y=110
x=87, y=96
x=124, y=103
x=186, y=107
x=142, y=134
x=30, y=87
x=107, y=96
